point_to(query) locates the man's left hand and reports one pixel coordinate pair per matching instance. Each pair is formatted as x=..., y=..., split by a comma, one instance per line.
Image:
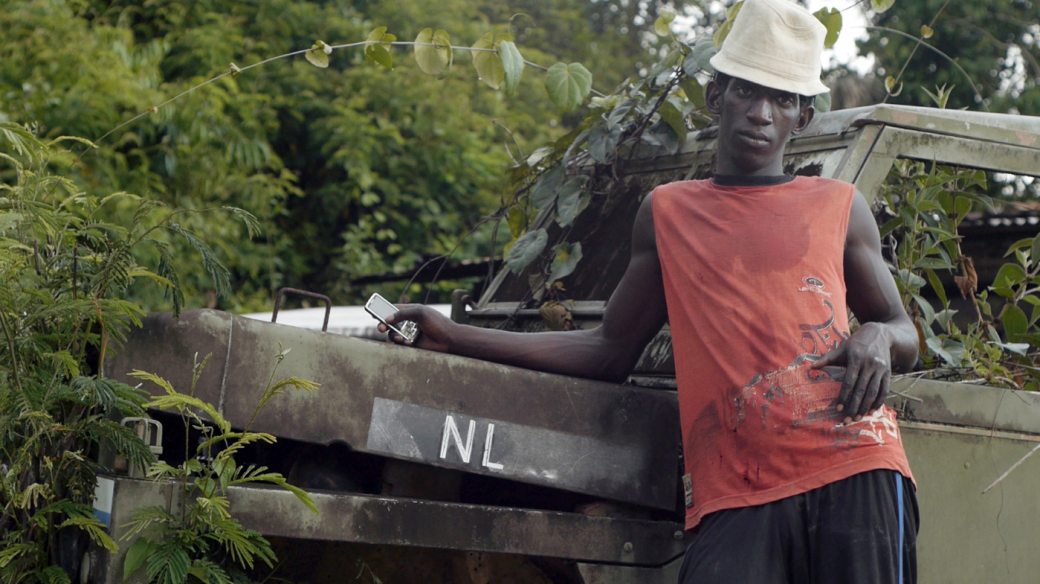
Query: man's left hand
x=867, y=357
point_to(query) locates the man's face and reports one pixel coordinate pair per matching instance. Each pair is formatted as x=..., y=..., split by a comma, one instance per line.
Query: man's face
x=755, y=123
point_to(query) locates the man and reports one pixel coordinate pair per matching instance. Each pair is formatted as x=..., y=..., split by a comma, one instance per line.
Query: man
x=795, y=468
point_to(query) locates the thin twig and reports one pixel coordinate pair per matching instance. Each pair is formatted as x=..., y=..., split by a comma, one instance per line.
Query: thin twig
x=904, y=396
x=914, y=51
x=1013, y=467
x=509, y=133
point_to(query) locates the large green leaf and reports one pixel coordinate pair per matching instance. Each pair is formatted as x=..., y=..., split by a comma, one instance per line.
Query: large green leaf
x=136, y=555
x=880, y=6
x=822, y=102
x=568, y=85
x=1034, y=251
x=544, y=190
x=516, y=219
x=724, y=28
x=1008, y=276
x=433, y=60
x=526, y=249
x=662, y=136
x=700, y=57
x=512, y=65
x=662, y=23
x=319, y=55
x=169, y=563
x=488, y=64
x=675, y=120
x=1015, y=323
x=831, y=18
x=620, y=112
x=380, y=53
x=694, y=91
x=603, y=142
x=571, y=200
x=565, y=258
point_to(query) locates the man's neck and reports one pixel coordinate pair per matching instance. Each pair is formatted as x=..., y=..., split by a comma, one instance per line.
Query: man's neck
x=744, y=180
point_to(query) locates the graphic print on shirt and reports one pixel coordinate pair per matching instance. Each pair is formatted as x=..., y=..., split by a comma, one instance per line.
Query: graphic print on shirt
x=814, y=285
x=798, y=395
x=790, y=390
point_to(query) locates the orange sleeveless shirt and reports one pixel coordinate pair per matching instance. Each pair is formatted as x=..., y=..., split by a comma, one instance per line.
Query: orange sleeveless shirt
x=755, y=286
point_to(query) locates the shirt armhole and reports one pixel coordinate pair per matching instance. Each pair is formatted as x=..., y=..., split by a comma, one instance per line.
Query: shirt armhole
x=845, y=215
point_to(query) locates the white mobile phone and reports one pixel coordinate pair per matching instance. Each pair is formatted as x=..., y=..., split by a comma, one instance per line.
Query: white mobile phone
x=381, y=309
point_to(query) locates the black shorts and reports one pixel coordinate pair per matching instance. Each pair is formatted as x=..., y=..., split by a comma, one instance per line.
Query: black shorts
x=862, y=529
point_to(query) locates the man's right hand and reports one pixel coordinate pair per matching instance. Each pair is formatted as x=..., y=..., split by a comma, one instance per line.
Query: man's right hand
x=635, y=313
x=435, y=329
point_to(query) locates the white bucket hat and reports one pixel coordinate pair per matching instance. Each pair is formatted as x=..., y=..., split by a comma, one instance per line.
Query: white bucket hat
x=775, y=43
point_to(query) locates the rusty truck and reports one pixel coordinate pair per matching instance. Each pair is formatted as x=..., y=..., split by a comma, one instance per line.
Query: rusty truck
x=452, y=469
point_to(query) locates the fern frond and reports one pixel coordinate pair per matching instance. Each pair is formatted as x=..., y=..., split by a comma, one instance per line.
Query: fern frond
x=180, y=402
x=95, y=529
x=243, y=545
x=159, y=471
x=14, y=551
x=250, y=221
x=144, y=209
x=165, y=269
x=214, y=504
x=64, y=362
x=144, y=375
x=145, y=517
x=276, y=479
x=125, y=441
x=54, y=575
x=208, y=571
x=216, y=270
x=32, y=494
x=169, y=563
x=243, y=439
x=294, y=382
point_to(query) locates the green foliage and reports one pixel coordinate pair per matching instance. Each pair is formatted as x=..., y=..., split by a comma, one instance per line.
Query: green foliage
x=526, y=249
x=378, y=47
x=350, y=170
x=317, y=55
x=568, y=85
x=727, y=25
x=558, y=182
x=512, y=65
x=65, y=270
x=928, y=203
x=565, y=258
x=488, y=65
x=831, y=18
x=433, y=60
x=205, y=543
x=995, y=43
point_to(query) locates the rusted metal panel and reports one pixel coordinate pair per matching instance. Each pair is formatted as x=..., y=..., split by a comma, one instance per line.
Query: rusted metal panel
x=960, y=151
x=608, y=574
x=962, y=404
x=429, y=524
x=1005, y=129
x=967, y=537
x=414, y=523
x=636, y=429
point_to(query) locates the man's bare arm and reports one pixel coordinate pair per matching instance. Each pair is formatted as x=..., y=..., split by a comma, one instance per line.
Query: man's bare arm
x=634, y=314
x=887, y=339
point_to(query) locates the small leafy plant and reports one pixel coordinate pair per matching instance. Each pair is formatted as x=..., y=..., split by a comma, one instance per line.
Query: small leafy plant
x=204, y=542
x=65, y=270
x=929, y=202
